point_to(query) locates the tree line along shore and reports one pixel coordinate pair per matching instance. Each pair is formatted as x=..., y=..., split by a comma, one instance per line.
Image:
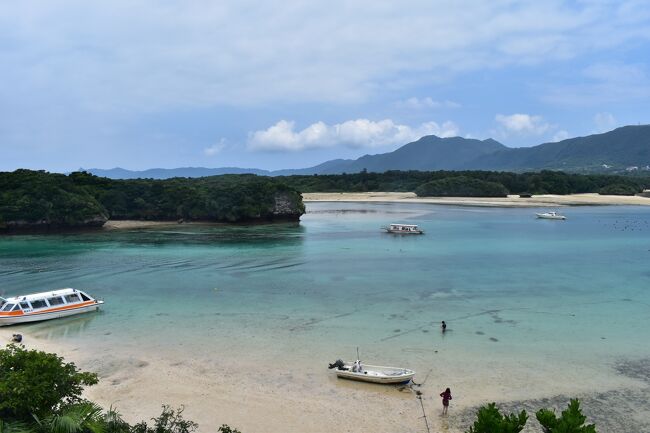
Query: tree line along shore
x=471, y=183
x=40, y=200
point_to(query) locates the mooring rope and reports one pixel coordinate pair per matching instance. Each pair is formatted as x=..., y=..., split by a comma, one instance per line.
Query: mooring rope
x=425, y=379
x=424, y=414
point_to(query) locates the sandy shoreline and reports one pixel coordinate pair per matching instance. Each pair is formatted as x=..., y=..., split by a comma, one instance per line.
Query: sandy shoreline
x=410, y=197
x=269, y=397
x=510, y=201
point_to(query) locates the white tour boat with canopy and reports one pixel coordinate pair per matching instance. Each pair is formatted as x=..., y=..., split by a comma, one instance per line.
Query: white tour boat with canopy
x=45, y=305
x=407, y=229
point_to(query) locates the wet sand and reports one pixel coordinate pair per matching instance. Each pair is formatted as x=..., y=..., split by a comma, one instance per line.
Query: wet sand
x=135, y=224
x=510, y=201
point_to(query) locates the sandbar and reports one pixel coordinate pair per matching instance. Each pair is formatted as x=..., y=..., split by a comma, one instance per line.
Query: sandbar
x=547, y=200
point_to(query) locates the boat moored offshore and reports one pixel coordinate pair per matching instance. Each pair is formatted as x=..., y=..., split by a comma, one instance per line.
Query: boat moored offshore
x=408, y=229
x=46, y=305
x=551, y=216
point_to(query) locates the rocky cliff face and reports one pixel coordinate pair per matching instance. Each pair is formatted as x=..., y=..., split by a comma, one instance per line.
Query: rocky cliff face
x=95, y=221
x=288, y=206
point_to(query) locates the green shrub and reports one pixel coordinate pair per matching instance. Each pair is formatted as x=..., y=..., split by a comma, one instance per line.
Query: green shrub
x=490, y=420
x=619, y=189
x=37, y=383
x=461, y=186
x=169, y=421
x=570, y=421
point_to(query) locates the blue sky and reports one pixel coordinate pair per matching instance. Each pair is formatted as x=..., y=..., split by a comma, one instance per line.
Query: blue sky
x=142, y=84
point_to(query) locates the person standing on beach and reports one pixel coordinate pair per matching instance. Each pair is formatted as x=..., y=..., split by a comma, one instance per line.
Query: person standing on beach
x=446, y=396
x=443, y=326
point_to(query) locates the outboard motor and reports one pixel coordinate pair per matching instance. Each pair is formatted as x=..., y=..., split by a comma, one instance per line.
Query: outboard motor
x=338, y=364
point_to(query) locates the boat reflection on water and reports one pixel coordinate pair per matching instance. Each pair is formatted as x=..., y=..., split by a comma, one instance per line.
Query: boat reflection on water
x=66, y=327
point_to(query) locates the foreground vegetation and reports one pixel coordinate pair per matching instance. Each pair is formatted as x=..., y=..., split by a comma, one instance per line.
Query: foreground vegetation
x=40, y=393
x=571, y=420
x=32, y=199
x=456, y=182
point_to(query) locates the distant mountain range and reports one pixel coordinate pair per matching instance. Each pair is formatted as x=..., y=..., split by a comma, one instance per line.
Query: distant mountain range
x=614, y=151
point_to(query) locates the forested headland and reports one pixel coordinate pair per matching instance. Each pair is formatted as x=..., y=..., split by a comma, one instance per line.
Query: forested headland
x=40, y=200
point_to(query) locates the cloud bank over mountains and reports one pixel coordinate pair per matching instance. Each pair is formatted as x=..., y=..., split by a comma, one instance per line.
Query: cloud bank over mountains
x=357, y=133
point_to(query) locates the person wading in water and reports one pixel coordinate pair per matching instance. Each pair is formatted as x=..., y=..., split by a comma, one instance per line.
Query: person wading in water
x=446, y=396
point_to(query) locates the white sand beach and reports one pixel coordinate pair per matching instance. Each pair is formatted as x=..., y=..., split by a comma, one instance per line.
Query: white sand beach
x=291, y=395
x=510, y=201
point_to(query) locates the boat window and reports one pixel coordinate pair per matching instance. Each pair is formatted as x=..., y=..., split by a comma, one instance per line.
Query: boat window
x=16, y=308
x=84, y=297
x=38, y=303
x=71, y=298
x=25, y=305
x=57, y=300
x=8, y=307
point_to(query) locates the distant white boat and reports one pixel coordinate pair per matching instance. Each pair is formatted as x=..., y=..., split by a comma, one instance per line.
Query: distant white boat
x=371, y=373
x=407, y=229
x=551, y=216
x=45, y=305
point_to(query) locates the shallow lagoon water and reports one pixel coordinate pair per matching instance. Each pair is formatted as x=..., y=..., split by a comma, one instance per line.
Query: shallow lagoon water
x=516, y=291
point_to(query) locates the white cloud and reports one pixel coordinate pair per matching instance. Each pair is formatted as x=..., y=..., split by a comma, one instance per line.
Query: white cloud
x=353, y=133
x=604, y=122
x=215, y=148
x=415, y=103
x=136, y=56
x=523, y=124
x=560, y=135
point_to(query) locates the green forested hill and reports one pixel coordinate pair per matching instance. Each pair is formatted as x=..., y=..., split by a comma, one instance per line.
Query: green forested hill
x=426, y=154
x=623, y=147
x=37, y=199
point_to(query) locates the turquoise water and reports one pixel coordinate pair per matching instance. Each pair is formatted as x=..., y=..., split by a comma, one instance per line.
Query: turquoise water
x=511, y=287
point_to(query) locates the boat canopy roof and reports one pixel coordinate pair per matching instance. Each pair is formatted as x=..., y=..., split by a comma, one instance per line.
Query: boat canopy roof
x=404, y=225
x=41, y=295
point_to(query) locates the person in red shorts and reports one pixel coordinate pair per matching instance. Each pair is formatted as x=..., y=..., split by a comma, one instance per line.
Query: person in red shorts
x=446, y=396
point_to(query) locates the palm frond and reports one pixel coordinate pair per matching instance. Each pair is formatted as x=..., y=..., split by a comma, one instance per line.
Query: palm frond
x=76, y=418
x=15, y=427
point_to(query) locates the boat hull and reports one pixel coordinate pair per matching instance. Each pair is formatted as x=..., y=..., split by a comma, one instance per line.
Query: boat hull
x=41, y=316
x=551, y=217
x=377, y=374
x=404, y=232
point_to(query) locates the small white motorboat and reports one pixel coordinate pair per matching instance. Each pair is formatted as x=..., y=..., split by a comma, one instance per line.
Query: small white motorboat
x=371, y=373
x=45, y=305
x=407, y=229
x=550, y=216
